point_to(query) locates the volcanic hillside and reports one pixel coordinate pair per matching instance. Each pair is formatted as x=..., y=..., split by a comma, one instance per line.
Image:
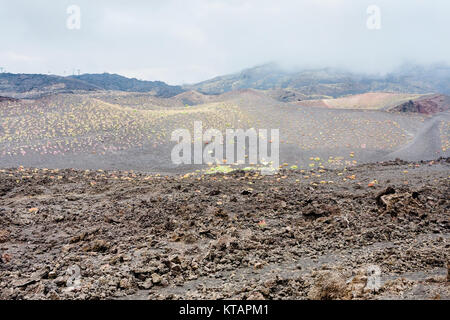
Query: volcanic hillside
x=38, y=85
x=120, y=130
x=331, y=82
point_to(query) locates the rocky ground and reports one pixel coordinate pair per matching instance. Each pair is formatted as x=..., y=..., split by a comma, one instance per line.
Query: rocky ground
x=427, y=104
x=374, y=231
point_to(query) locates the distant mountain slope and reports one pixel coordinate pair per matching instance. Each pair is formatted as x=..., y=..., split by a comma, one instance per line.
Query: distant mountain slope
x=282, y=85
x=116, y=82
x=37, y=85
x=2, y=99
x=331, y=82
x=428, y=104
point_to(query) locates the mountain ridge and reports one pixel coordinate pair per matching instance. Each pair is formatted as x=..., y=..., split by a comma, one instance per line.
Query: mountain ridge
x=38, y=85
x=331, y=82
x=300, y=84
x=108, y=81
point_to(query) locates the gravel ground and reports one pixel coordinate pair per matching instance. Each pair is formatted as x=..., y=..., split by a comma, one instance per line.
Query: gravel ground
x=373, y=231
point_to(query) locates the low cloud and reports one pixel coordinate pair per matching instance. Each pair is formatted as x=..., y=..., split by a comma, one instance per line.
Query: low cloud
x=189, y=41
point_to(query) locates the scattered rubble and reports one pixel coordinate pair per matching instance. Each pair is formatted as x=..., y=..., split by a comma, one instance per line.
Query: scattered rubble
x=131, y=235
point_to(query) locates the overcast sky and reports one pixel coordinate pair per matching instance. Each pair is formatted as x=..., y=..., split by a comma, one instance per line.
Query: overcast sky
x=192, y=40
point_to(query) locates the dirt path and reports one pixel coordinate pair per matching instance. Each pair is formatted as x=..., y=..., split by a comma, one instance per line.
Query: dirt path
x=426, y=143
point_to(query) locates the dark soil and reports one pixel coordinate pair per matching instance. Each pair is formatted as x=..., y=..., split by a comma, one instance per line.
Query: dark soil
x=427, y=105
x=71, y=234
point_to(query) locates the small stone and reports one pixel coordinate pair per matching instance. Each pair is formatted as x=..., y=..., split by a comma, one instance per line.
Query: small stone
x=175, y=259
x=176, y=268
x=97, y=246
x=60, y=281
x=164, y=282
x=4, y=235
x=125, y=284
x=258, y=265
x=59, y=218
x=23, y=282
x=156, y=278
x=255, y=296
x=148, y=283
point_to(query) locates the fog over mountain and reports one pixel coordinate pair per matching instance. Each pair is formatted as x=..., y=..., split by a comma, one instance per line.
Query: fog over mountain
x=191, y=41
x=305, y=83
x=331, y=81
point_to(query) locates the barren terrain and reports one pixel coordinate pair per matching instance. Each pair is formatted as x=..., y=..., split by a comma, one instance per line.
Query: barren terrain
x=92, y=207
x=300, y=234
x=123, y=131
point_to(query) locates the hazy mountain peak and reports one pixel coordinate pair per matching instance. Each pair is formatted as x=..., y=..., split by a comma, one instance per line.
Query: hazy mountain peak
x=330, y=81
